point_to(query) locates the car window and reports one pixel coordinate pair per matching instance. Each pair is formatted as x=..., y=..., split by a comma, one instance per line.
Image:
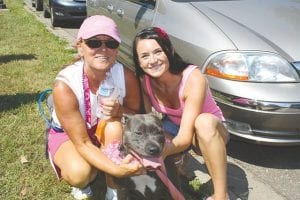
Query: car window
x=146, y=3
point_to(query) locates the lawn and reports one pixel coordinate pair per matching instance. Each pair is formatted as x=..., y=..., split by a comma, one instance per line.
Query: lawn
x=30, y=57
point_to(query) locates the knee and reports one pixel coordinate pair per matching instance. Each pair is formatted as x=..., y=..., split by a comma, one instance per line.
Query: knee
x=207, y=127
x=79, y=174
x=113, y=132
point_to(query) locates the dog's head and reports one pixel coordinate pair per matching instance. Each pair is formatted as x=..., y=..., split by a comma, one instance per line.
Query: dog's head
x=144, y=134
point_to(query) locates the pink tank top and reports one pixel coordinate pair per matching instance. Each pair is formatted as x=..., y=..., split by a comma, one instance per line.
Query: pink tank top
x=175, y=115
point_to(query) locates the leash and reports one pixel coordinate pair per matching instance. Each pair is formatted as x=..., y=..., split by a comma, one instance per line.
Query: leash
x=158, y=165
x=175, y=193
x=41, y=98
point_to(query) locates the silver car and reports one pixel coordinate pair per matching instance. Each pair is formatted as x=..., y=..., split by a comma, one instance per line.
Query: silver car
x=249, y=51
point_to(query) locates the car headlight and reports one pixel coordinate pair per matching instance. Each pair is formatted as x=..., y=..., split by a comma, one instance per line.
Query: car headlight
x=251, y=66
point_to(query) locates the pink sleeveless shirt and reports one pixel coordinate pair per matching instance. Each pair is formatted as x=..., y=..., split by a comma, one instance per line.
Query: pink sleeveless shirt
x=175, y=115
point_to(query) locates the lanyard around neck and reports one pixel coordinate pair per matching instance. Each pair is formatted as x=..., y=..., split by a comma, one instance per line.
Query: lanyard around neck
x=87, y=101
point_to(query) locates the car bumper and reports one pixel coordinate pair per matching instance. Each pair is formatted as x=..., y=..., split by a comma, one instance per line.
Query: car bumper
x=260, y=121
x=70, y=10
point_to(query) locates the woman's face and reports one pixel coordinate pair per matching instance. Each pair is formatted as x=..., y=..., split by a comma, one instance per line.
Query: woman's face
x=100, y=58
x=152, y=58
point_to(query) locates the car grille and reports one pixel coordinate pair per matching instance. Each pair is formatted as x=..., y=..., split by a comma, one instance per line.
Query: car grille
x=252, y=104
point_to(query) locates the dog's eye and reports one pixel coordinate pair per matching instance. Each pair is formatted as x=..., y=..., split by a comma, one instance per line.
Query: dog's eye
x=138, y=133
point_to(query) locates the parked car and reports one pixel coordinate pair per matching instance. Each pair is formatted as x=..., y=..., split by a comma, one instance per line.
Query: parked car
x=249, y=50
x=62, y=11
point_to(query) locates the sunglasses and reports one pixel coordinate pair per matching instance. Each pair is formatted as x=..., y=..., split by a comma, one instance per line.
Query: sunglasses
x=93, y=44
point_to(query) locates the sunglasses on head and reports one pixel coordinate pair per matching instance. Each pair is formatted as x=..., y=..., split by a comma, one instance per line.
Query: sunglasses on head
x=93, y=43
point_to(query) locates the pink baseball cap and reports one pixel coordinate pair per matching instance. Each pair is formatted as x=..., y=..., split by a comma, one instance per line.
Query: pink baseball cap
x=98, y=25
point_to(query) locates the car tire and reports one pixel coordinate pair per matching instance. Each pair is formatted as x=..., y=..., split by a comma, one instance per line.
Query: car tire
x=38, y=5
x=54, y=21
x=46, y=13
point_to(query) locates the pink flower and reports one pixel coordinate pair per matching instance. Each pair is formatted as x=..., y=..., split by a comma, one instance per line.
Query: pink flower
x=161, y=33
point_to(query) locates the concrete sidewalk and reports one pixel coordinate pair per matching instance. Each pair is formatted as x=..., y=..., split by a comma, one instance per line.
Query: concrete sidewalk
x=242, y=184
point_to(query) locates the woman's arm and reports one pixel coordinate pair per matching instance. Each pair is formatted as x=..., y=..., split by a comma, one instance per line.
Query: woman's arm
x=193, y=96
x=67, y=111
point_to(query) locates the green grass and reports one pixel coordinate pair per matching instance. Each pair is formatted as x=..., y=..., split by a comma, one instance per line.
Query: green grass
x=30, y=57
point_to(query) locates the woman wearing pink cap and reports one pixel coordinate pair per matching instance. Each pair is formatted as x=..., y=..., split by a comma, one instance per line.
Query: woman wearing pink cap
x=180, y=91
x=72, y=145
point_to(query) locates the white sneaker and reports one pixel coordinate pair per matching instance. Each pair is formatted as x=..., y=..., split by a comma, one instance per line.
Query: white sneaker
x=111, y=194
x=83, y=193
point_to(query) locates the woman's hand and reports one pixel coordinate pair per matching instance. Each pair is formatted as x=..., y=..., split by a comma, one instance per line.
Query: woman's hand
x=130, y=167
x=111, y=108
x=174, y=145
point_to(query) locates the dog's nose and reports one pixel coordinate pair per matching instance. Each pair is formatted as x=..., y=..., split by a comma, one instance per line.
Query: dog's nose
x=153, y=150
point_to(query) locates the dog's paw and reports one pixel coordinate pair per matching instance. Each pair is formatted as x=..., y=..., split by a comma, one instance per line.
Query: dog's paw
x=157, y=114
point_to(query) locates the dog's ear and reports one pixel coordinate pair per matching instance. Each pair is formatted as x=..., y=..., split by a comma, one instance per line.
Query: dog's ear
x=124, y=119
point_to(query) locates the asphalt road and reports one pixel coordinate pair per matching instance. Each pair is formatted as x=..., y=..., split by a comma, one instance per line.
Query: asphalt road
x=278, y=167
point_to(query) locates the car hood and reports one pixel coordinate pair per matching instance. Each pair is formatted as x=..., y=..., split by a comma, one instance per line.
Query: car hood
x=270, y=25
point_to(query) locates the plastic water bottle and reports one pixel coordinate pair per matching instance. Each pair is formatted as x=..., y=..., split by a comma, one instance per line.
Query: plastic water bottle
x=107, y=90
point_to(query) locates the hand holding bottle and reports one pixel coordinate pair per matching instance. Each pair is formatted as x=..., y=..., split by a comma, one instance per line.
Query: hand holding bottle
x=110, y=108
x=108, y=94
x=108, y=105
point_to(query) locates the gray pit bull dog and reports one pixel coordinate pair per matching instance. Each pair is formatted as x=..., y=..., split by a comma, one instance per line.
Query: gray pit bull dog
x=144, y=135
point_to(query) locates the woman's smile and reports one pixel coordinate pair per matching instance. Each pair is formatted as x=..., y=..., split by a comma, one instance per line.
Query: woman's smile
x=151, y=57
x=102, y=58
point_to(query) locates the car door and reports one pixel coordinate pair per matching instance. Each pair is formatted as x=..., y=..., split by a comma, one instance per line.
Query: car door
x=101, y=7
x=132, y=16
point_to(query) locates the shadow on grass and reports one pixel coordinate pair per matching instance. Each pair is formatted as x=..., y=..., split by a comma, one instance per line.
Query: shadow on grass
x=8, y=58
x=12, y=101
